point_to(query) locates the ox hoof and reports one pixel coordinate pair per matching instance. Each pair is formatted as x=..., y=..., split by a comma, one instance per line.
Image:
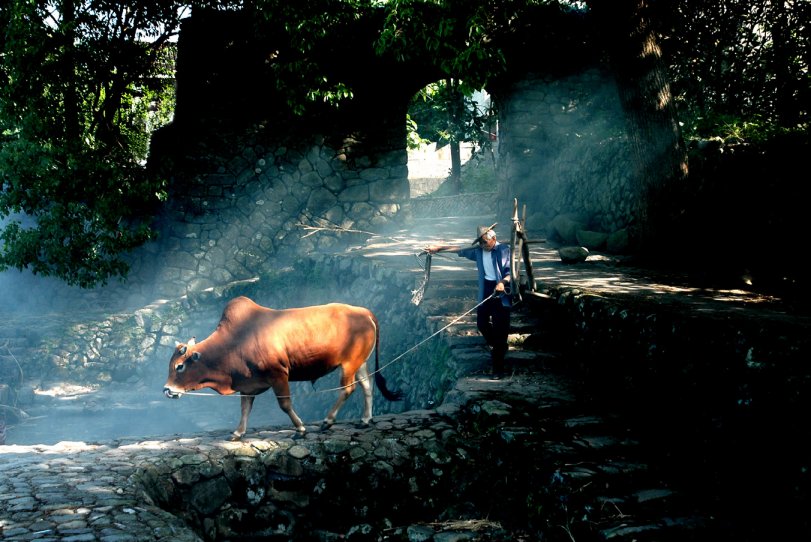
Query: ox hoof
x=235, y=438
x=298, y=435
x=325, y=425
x=363, y=424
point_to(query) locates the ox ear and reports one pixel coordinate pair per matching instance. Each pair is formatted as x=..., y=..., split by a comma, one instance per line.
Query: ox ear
x=196, y=356
x=182, y=350
x=191, y=341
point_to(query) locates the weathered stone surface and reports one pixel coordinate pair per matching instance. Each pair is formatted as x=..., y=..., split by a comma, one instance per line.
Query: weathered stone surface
x=573, y=254
x=566, y=226
x=208, y=496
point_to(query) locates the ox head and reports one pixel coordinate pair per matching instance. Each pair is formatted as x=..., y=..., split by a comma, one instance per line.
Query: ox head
x=185, y=370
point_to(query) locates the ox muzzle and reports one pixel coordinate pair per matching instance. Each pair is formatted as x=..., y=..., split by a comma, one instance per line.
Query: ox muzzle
x=168, y=392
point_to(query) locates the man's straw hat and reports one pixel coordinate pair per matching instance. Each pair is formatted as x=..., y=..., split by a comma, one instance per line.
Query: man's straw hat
x=481, y=231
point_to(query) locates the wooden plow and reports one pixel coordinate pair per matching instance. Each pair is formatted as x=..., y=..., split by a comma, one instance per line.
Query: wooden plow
x=519, y=245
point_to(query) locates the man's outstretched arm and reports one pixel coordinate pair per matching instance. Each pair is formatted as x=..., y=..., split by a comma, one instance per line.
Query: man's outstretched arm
x=433, y=249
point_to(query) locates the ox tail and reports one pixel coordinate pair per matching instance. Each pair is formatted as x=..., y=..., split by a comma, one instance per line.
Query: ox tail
x=379, y=380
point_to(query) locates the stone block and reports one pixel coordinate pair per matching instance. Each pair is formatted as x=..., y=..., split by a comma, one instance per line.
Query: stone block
x=573, y=254
x=565, y=226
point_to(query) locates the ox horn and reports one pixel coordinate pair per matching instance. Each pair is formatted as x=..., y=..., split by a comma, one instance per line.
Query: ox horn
x=191, y=341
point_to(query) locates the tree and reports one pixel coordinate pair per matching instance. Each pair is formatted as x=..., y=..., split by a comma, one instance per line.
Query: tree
x=445, y=112
x=83, y=83
x=739, y=66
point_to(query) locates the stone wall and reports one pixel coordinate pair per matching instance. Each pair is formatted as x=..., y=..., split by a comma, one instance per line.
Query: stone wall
x=424, y=466
x=563, y=150
x=252, y=214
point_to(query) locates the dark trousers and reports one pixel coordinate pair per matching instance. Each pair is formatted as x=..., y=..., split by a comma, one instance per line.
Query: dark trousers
x=493, y=321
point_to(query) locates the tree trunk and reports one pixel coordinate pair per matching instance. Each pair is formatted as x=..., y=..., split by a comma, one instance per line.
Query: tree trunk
x=456, y=167
x=456, y=119
x=782, y=40
x=72, y=129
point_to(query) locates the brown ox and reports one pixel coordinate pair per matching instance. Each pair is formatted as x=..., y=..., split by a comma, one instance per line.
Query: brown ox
x=255, y=348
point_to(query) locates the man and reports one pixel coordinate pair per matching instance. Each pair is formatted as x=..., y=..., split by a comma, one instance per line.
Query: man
x=493, y=316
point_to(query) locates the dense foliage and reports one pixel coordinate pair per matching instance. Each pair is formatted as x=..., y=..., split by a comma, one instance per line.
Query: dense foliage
x=82, y=86
x=739, y=68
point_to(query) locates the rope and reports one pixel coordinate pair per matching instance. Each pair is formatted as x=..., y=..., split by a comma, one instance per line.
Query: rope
x=417, y=295
x=455, y=320
x=22, y=377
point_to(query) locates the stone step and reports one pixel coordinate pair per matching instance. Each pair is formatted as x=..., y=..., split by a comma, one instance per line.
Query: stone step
x=451, y=289
x=450, y=306
x=447, y=310
x=598, y=469
x=602, y=464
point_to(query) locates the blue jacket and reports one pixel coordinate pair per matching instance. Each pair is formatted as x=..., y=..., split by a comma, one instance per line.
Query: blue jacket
x=501, y=261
